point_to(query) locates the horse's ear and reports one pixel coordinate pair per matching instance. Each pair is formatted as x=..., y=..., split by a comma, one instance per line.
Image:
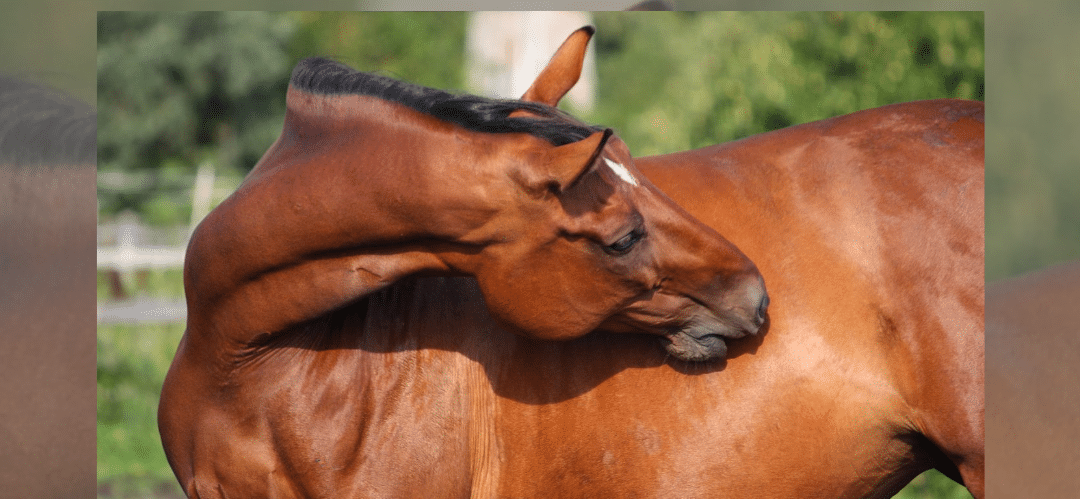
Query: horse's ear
x=563, y=71
x=568, y=163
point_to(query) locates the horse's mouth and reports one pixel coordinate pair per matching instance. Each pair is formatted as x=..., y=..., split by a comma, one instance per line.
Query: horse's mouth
x=695, y=332
x=698, y=343
x=684, y=347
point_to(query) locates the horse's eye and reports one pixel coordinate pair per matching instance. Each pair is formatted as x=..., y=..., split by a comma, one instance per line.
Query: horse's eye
x=623, y=245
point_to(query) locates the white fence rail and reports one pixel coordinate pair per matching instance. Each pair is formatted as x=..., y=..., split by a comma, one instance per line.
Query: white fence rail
x=129, y=255
x=128, y=247
x=141, y=312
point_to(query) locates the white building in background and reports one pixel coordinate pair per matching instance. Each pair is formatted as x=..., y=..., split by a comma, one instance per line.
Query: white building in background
x=505, y=52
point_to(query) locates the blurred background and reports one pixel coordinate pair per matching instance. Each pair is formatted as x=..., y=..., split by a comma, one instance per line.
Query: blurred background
x=50, y=41
x=189, y=101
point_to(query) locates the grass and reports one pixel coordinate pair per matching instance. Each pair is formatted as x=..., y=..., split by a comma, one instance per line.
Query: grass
x=933, y=485
x=132, y=362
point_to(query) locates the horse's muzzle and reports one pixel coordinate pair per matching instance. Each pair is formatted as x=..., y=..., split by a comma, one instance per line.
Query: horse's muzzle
x=705, y=336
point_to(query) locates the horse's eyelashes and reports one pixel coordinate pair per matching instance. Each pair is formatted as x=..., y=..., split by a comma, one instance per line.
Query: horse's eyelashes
x=625, y=243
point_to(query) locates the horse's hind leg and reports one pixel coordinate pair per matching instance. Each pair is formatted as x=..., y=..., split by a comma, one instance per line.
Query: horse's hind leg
x=973, y=478
x=958, y=434
x=965, y=469
x=950, y=412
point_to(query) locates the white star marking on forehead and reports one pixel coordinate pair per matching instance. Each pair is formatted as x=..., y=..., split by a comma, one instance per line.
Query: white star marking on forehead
x=622, y=172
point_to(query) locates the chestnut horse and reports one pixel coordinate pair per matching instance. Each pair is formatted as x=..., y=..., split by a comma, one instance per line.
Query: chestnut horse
x=47, y=346
x=1033, y=339
x=373, y=180
x=868, y=228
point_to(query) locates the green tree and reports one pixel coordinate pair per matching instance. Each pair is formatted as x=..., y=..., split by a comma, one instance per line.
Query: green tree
x=681, y=80
x=426, y=48
x=178, y=87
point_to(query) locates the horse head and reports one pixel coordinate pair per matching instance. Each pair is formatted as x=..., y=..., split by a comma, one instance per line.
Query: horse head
x=373, y=179
x=598, y=246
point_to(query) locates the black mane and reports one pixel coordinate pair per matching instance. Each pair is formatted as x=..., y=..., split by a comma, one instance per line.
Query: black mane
x=40, y=125
x=317, y=75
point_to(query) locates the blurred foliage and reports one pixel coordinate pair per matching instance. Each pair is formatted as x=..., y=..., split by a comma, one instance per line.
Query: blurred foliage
x=132, y=362
x=728, y=75
x=1032, y=161
x=178, y=87
x=390, y=43
x=42, y=41
x=131, y=366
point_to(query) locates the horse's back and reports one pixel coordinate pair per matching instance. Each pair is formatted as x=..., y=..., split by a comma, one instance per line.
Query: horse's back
x=896, y=193
x=894, y=189
x=922, y=141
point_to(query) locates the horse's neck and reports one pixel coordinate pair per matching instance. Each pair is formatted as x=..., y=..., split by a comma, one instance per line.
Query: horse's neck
x=414, y=313
x=343, y=204
x=396, y=170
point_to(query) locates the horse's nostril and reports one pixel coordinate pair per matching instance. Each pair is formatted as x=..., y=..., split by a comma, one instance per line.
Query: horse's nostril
x=762, y=308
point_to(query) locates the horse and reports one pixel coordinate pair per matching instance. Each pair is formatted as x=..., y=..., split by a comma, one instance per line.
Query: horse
x=1033, y=350
x=48, y=215
x=866, y=371
x=373, y=180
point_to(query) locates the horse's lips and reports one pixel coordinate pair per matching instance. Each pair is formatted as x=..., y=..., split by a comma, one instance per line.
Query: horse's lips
x=690, y=329
x=695, y=349
x=684, y=344
x=707, y=339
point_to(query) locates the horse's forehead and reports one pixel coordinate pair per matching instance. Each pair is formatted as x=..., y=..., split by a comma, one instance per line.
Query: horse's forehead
x=616, y=158
x=607, y=193
x=621, y=172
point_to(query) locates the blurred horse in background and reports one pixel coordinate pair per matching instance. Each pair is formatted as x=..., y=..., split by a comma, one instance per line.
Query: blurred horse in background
x=48, y=212
x=1033, y=399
